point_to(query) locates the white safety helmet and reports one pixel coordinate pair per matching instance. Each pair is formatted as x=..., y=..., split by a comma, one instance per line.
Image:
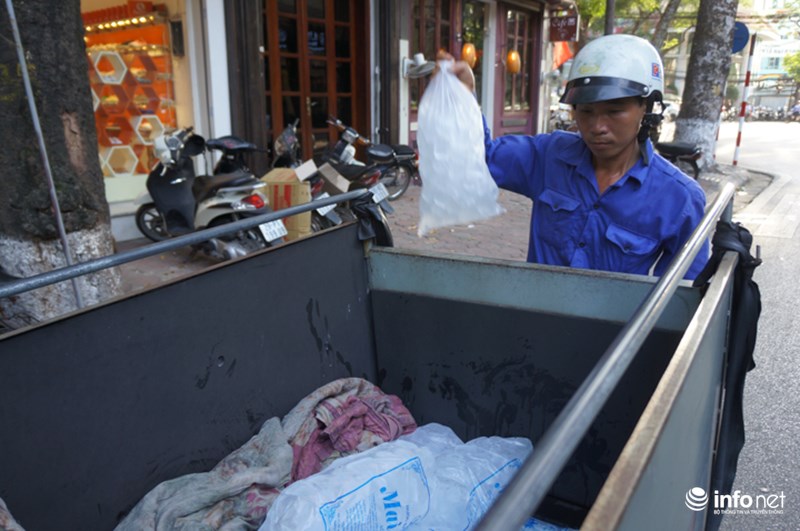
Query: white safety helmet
x=615, y=66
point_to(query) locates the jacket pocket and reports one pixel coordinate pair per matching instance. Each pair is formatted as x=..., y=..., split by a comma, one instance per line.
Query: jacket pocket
x=558, y=202
x=557, y=221
x=630, y=243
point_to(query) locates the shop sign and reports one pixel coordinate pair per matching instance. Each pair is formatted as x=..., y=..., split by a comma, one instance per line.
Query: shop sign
x=564, y=28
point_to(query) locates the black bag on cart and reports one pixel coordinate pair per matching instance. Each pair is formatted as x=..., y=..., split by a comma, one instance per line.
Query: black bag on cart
x=745, y=311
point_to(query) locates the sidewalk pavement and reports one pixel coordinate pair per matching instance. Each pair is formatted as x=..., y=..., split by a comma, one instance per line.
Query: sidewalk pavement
x=503, y=237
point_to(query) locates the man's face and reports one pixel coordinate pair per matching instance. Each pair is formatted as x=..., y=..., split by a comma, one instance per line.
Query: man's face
x=609, y=127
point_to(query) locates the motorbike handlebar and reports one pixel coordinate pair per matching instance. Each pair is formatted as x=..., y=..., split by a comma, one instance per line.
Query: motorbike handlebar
x=338, y=124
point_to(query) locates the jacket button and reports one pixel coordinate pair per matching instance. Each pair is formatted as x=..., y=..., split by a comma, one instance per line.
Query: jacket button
x=582, y=244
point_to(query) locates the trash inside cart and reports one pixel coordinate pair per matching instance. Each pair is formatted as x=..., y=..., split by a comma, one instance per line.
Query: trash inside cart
x=100, y=407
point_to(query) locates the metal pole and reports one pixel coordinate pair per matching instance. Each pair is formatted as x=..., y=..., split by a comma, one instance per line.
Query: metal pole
x=745, y=94
x=62, y=233
x=610, y=15
x=529, y=487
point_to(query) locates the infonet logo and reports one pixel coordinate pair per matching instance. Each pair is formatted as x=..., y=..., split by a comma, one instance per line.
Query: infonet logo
x=696, y=499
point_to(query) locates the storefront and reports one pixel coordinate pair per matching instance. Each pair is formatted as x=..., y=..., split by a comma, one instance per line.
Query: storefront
x=503, y=43
x=251, y=67
x=151, y=69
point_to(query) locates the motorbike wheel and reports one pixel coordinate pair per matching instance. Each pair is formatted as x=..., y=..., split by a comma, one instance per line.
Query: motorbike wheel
x=250, y=239
x=319, y=222
x=396, y=181
x=151, y=223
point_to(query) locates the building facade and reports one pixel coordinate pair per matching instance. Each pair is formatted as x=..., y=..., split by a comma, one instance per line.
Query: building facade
x=250, y=67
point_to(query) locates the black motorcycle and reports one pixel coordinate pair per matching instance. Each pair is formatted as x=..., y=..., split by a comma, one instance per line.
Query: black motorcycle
x=397, y=164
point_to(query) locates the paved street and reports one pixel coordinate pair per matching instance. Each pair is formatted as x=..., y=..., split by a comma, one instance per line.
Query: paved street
x=770, y=460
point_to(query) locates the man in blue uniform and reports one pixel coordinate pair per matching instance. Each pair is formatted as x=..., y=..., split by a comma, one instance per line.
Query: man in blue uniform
x=602, y=199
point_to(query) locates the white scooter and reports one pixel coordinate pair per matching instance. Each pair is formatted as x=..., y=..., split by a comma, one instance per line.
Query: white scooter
x=179, y=202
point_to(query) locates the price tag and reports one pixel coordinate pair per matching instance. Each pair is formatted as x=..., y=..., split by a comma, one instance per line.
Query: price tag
x=273, y=230
x=379, y=192
x=324, y=210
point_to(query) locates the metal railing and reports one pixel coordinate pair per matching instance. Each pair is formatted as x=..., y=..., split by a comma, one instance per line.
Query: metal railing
x=92, y=266
x=529, y=487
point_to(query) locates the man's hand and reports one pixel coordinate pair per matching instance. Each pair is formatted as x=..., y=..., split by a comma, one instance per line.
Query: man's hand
x=460, y=68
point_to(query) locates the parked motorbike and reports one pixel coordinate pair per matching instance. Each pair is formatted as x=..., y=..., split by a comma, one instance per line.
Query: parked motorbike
x=178, y=201
x=397, y=163
x=285, y=155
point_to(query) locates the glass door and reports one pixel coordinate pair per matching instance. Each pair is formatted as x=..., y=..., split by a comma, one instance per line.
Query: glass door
x=310, y=54
x=473, y=29
x=517, y=74
x=431, y=31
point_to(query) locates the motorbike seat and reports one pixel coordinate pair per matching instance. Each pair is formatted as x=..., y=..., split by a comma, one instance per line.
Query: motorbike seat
x=683, y=151
x=403, y=151
x=231, y=144
x=380, y=152
x=204, y=186
x=677, y=149
x=351, y=172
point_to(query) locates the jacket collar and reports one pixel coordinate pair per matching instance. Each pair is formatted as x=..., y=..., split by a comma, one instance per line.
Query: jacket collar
x=577, y=154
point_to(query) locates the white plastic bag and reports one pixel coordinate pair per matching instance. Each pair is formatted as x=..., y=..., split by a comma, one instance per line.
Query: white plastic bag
x=381, y=488
x=467, y=478
x=457, y=187
x=428, y=479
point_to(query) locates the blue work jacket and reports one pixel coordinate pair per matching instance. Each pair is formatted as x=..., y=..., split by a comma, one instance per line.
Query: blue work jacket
x=641, y=220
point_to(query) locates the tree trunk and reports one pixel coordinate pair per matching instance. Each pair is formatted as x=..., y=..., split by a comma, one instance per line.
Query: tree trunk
x=709, y=63
x=664, y=22
x=52, y=38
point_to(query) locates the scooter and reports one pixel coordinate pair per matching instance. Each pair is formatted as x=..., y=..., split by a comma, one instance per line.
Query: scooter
x=397, y=164
x=179, y=202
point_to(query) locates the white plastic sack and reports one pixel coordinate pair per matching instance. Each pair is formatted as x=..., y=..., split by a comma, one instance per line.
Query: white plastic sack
x=467, y=478
x=457, y=187
x=425, y=480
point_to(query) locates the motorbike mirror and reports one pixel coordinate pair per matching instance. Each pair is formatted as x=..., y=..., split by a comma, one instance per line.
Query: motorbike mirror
x=194, y=145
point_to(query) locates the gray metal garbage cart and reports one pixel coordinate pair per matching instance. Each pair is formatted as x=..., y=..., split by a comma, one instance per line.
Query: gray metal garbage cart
x=100, y=406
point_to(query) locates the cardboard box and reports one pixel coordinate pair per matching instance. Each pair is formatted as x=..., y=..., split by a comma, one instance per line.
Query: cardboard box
x=284, y=190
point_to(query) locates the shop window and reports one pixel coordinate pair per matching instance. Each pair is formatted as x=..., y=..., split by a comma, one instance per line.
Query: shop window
x=473, y=17
x=519, y=48
x=130, y=73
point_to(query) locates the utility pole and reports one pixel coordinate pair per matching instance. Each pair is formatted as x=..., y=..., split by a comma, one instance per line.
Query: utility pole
x=609, y=29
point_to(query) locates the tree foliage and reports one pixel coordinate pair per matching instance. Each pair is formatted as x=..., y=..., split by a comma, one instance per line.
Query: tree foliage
x=642, y=18
x=791, y=63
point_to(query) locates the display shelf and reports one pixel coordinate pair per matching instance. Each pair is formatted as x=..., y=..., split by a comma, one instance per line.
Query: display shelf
x=144, y=100
x=110, y=67
x=147, y=128
x=115, y=131
x=146, y=158
x=141, y=66
x=121, y=160
x=130, y=72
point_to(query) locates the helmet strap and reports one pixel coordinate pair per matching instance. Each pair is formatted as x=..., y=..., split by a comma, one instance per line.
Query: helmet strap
x=651, y=120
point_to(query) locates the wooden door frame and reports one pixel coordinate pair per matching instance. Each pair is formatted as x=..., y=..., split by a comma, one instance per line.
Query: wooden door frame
x=531, y=124
x=245, y=21
x=455, y=25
